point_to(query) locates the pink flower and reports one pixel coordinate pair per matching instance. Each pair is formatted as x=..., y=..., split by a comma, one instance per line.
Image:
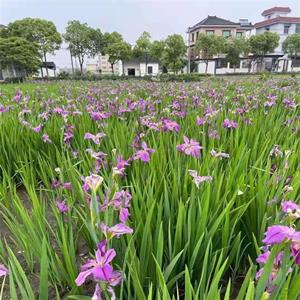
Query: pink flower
x=116, y=230
x=124, y=215
x=144, y=154
x=99, y=115
x=46, y=139
x=295, y=247
x=200, y=121
x=276, y=234
x=99, y=269
x=95, y=138
x=62, y=206
x=229, y=124
x=219, y=154
x=290, y=206
x=56, y=184
x=199, y=179
x=37, y=128
x=169, y=125
x=93, y=181
x=190, y=147
x=262, y=258
x=3, y=270
x=67, y=185
x=121, y=166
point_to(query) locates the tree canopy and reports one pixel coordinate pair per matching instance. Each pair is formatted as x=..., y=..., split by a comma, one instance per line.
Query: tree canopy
x=41, y=32
x=263, y=43
x=291, y=45
x=208, y=46
x=142, y=46
x=235, y=48
x=83, y=40
x=115, y=47
x=19, y=53
x=174, y=52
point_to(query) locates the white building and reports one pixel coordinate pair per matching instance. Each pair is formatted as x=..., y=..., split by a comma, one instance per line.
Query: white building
x=51, y=70
x=277, y=20
x=139, y=67
x=101, y=65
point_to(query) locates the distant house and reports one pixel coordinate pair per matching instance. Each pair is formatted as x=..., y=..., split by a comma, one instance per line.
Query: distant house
x=277, y=19
x=51, y=69
x=213, y=25
x=139, y=67
x=100, y=65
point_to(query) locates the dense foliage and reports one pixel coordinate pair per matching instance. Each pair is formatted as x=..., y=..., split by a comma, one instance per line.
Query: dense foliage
x=19, y=53
x=184, y=184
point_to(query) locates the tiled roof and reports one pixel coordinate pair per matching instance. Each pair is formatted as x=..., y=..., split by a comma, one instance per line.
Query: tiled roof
x=277, y=20
x=214, y=21
x=283, y=9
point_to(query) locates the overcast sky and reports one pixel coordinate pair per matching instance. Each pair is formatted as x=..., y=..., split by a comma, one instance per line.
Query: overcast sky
x=131, y=17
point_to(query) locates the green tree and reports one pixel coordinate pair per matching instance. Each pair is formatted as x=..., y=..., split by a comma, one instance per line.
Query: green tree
x=18, y=53
x=175, y=51
x=39, y=31
x=291, y=46
x=116, y=48
x=235, y=48
x=142, y=47
x=262, y=44
x=208, y=46
x=83, y=40
x=158, y=51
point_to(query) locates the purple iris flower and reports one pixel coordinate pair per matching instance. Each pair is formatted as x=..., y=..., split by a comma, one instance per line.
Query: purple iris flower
x=276, y=234
x=144, y=154
x=190, y=147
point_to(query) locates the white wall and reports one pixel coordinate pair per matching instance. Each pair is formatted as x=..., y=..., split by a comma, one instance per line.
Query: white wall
x=210, y=67
x=51, y=73
x=140, y=68
x=131, y=65
x=144, y=71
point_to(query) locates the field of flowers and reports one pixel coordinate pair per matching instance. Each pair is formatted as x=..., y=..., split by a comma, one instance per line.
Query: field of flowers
x=148, y=190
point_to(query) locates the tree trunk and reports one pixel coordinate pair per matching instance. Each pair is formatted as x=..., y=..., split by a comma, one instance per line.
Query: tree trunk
x=42, y=73
x=45, y=58
x=72, y=62
x=206, y=67
x=81, y=69
x=112, y=68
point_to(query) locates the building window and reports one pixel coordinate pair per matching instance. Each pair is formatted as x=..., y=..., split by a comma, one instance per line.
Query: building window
x=226, y=33
x=267, y=28
x=193, y=37
x=239, y=34
x=150, y=70
x=197, y=35
x=221, y=63
x=210, y=32
x=297, y=28
x=296, y=63
x=246, y=63
x=286, y=28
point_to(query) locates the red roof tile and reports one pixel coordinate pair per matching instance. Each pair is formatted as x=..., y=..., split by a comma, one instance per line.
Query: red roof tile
x=269, y=11
x=277, y=20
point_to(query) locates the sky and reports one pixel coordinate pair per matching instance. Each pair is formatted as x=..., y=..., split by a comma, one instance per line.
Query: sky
x=131, y=17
